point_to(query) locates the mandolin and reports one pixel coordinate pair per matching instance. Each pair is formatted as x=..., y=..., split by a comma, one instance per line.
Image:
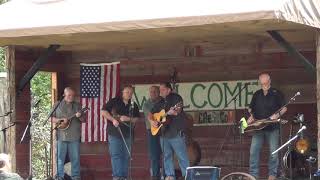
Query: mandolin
x=262, y=123
x=65, y=125
x=160, y=117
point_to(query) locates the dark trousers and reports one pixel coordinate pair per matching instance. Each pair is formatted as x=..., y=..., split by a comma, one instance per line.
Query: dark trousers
x=154, y=149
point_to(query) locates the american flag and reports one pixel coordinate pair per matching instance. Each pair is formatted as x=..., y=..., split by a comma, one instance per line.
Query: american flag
x=98, y=84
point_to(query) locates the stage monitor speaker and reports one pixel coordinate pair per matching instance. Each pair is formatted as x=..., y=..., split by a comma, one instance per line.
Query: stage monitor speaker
x=203, y=173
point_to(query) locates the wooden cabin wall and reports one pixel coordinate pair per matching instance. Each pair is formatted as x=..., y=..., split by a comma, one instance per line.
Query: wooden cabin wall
x=154, y=65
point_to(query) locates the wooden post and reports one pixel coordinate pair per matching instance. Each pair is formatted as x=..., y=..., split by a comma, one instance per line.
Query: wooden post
x=54, y=98
x=11, y=135
x=318, y=90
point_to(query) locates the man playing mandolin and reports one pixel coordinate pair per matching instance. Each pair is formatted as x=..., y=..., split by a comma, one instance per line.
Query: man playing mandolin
x=68, y=139
x=173, y=139
x=265, y=102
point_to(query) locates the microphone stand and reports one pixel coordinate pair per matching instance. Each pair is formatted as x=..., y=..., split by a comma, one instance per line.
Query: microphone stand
x=290, y=140
x=162, y=129
x=5, y=129
x=131, y=137
x=6, y=114
x=5, y=136
x=49, y=177
x=282, y=172
x=28, y=128
x=288, y=143
x=234, y=100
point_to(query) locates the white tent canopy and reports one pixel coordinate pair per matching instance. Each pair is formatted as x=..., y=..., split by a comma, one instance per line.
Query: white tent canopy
x=77, y=24
x=43, y=17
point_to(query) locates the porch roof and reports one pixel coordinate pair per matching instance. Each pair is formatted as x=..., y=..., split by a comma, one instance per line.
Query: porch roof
x=73, y=23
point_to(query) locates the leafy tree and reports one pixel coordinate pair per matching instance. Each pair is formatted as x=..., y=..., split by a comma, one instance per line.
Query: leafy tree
x=2, y=60
x=3, y=1
x=40, y=90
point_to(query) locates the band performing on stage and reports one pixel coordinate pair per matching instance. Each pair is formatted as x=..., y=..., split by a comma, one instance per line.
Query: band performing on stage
x=166, y=134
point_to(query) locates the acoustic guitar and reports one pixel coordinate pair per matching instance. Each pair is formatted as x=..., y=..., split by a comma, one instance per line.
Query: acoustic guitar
x=262, y=123
x=160, y=117
x=65, y=125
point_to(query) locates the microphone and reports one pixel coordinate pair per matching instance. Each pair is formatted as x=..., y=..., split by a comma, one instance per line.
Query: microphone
x=36, y=104
x=302, y=129
x=295, y=95
x=9, y=112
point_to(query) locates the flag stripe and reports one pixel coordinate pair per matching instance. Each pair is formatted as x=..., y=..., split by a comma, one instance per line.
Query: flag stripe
x=110, y=86
x=118, y=79
x=107, y=98
x=87, y=126
x=99, y=83
x=114, y=83
x=83, y=125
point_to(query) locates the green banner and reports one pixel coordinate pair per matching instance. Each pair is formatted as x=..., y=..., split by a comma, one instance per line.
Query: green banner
x=207, y=95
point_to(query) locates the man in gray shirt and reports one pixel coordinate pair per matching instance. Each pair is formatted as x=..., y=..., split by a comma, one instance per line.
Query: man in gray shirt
x=68, y=139
x=154, y=147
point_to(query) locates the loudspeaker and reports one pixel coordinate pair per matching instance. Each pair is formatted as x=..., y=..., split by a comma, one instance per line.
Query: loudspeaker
x=203, y=173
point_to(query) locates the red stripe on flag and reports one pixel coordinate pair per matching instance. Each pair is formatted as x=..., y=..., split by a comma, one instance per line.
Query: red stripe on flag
x=118, y=80
x=87, y=129
x=98, y=119
x=111, y=82
x=92, y=119
x=104, y=97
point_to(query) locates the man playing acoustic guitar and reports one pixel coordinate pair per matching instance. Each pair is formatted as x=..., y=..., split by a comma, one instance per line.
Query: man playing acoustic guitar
x=265, y=102
x=68, y=139
x=173, y=139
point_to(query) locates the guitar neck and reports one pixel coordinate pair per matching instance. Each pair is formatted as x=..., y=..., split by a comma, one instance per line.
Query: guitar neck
x=74, y=115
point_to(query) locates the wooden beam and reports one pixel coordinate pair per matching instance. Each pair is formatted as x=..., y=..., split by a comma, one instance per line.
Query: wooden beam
x=318, y=91
x=293, y=52
x=11, y=135
x=36, y=66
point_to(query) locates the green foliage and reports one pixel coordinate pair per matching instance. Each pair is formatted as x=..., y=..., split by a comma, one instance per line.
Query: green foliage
x=3, y=1
x=2, y=60
x=40, y=89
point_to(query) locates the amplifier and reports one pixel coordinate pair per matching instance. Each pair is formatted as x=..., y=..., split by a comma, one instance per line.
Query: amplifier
x=203, y=173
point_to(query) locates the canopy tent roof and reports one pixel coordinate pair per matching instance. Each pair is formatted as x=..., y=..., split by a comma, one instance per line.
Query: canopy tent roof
x=74, y=22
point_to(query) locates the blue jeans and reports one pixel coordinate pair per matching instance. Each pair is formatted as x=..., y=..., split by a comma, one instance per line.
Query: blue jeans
x=177, y=145
x=272, y=138
x=119, y=155
x=73, y=150
x=154, y=149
